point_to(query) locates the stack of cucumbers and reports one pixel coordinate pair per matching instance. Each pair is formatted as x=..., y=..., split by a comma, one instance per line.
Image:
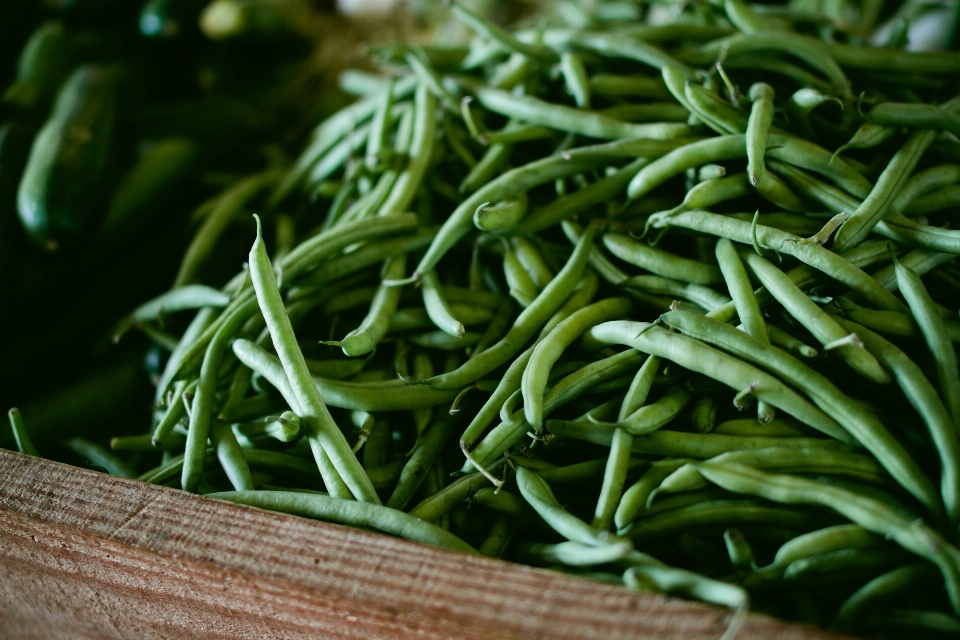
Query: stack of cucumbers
x=116, y=117
x=658, y=294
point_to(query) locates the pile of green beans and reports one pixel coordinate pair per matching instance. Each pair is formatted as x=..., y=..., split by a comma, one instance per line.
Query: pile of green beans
x=662, y=297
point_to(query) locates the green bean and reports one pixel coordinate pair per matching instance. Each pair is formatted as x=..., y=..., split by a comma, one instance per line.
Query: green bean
x=857, y=421
x=891, y=322
x=710, y=192
x=655, y=415
x=907, y=231
x=538, y=495
x=657, y=111
x=810, y=253
x=549, y=350
x=512, y=134
x=356, y=396
x=285, y=427
x=868, y=136
x=687, y=583
x=502, y=215
x=935, y=335
x=510, y=381
x=532, y=262
x=700, y=295
x=914, y=622
x=926, y=182
x=685, y=445
x=703, y=359
x=781, y=459
x=509, y=432
x=489, y=164
x=569, y=119
x=526, y=324
x=20, y=433
x=380, y=124
x=660, y=262
x=502, y=501
x=918, y=116
x=178, y=299
x=923, y=397
x=635, y=499
x=606, y=84
x=752, y=427
x=413, y=318
x=226, y=208
x=611, y=46
x=357, y=514
x=476, y=297
x=758, y=128
x=750, y=21
x=437, y=307
x=176, y=410
x=820, y=542
x=615, y=473
x=368, y=255
x=807, y=155
x=575, y=79
x=938, y=200
x=321, y=430
x=580, y=201
x=490, y=31
x=372, y=202
x=703, y=415
x=497, y=327
x=332, y=131
x=499, y=537
x=432, y=508
x=203, y=406
x=720, y=513
x=423, y=456
x=308, y=253
x=739, y=550
x=686, y=157
x=896, y=583
x=814, y=319
x=919, y=261
x=805, y=100
x=444, y=341
x=738, y=284
x=871, y=514
x=421, y=148
x=574, y=554
x=889, y=184
x=522, y=179
x=364, y=339
x=829, y=567
x=230, y=455
x=812, y=52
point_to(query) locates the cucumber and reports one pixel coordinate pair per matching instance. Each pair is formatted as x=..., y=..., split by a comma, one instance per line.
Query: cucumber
x=15, y=137
x=43, y=64
x=159, y=173
x=60, y=199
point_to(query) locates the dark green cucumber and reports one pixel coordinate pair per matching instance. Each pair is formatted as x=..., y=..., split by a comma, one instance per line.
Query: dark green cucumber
x=43, y=64
x=60, y=199
x=159, y=173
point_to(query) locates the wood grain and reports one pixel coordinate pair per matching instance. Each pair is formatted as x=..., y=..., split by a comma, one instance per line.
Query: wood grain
x=85, y=555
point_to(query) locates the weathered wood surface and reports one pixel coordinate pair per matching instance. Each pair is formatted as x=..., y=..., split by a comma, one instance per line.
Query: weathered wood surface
x=85, y=555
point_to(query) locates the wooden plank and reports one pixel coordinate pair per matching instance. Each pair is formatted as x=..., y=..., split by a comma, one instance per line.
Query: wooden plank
x=85, y=555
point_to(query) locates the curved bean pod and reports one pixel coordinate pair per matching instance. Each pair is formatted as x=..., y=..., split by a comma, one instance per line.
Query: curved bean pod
x=349, y=512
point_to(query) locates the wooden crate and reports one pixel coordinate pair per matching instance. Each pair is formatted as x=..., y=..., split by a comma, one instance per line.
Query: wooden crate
x=85, y=555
